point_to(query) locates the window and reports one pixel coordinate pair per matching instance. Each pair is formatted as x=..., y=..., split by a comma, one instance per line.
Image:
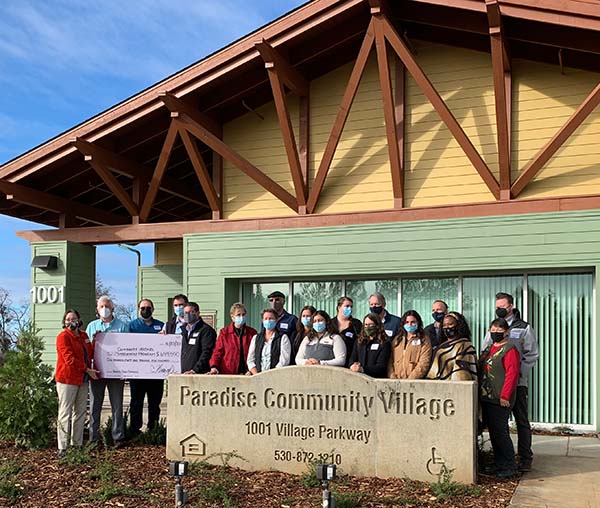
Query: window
x=321, y=295
x=419, y=294
x=360, y=290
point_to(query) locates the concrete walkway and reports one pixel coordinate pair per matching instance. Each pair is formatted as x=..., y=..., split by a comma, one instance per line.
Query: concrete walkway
x=566, y=474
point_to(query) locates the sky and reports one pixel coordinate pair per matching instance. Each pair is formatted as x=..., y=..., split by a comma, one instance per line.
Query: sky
x=62, y=62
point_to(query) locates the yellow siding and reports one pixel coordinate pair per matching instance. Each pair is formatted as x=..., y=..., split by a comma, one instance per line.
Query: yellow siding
x=437, y=170
x=359, y=178
x=168, y=253
x=543, y=101
x=261, y=143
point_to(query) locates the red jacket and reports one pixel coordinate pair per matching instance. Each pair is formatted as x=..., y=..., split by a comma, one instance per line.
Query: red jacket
x=70, y=363
x=226, y=355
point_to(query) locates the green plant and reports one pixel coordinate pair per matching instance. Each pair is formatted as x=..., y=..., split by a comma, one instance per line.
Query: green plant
x=446, y=487
x=347, y=499
x=78, y=455
x=564, y=429
x=10, y=489
x=106, y=433
x=308, y=479
x=24, y=377
x=217, y=482
x=109, y=485
x=156, y=435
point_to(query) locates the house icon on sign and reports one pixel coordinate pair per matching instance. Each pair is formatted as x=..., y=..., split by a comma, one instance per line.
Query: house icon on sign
x=192, y=446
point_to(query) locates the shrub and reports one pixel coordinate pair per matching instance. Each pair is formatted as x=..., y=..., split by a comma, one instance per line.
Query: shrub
x=446, y=487
x=28, y=400
x=10, y=490
x=156, y=435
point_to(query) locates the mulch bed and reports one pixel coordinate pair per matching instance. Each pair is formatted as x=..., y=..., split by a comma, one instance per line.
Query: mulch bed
x=138, y=476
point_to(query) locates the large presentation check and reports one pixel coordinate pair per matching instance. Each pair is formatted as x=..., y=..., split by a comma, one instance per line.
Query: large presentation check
x=137, y=355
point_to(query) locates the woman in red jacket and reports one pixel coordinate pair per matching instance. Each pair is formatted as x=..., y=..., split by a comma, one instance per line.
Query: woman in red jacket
x=73, y=369
x=231, y=349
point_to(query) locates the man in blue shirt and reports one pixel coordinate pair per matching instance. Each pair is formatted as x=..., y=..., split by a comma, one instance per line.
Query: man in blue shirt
x=391, y=323
x=107, y=323
x=286, y=322
x=140, y=388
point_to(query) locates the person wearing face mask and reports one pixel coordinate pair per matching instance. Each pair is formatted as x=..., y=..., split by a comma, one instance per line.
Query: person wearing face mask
x=302, y=328
x=322, y=346
x=107, y=323
x=499, y=375
x=197, y=341
x=286, y=322
x=140, y=388
x=73, y=370
x=372, y=351
x=346, y=326
x=411, y=349
x=233, y=344
x=523, y=336
x=270, y=348
x=391, y=323
x=176, y=323
x=455, y=359
x=439, y=308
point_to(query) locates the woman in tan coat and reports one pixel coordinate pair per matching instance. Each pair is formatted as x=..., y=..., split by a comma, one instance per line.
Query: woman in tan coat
x=411, y=349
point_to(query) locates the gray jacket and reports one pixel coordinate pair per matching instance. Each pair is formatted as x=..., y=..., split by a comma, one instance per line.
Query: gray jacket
x=523, y=336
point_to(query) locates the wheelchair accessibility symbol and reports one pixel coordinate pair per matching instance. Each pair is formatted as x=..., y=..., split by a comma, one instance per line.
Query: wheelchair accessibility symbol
x=436, y=464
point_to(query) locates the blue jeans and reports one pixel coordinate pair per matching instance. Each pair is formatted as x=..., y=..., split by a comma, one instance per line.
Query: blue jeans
x=115, y=395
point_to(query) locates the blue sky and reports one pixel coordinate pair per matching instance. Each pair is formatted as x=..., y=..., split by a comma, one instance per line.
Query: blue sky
x=62, y=62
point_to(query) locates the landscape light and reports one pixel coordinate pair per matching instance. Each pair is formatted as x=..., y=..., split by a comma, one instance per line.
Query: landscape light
x=178, y=469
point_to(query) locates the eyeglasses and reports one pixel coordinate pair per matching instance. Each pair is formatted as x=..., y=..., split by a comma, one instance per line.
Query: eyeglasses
x=275, y=299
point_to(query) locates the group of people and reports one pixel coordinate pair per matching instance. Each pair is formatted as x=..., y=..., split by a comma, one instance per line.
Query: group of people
x=381, y=345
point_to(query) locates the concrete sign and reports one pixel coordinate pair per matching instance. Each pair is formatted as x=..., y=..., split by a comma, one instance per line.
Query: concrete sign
x=285, y=418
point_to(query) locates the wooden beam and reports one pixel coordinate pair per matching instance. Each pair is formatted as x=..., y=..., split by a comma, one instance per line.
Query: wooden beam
x=545, y=154
x=182, y=106
x=304, y=138
x=288, y=74
x=399, y=101
x=193, y=124
x=176, y=230
x=500, y=70
x=113, y=184
x=342, y=116
x=440, y=106
x=124, y=166
x=200, y=168
x=289, y=140
x=385, y=80
x=45, y=201
x=217, y=179
x=159, y=171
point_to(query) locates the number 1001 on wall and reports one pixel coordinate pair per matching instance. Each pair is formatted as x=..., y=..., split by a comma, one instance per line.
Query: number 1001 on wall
x=47, y=294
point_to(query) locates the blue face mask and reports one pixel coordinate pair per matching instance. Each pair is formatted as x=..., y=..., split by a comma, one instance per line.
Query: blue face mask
x=410, y=328
x=305, y=321
x=376, y=310
x=319, y=326
x=269, y=324
x=347, y=311
x=178, y=311
x=240, y=320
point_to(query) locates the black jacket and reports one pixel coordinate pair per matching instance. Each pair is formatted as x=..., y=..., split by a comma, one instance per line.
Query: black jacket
x=197, y=347
x=349, y=334
x=434, y=333
x=373, y=361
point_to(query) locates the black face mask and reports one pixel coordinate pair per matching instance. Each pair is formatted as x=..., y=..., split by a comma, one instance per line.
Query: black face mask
x=146, y=312
x=73, y=325
x=438, y=316
x=501, y=313
x=450, y=332
x=497, y=336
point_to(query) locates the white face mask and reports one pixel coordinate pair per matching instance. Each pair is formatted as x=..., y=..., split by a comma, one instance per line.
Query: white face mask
x=104, y=312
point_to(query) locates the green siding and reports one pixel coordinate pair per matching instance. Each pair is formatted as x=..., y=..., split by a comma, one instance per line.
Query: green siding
x=498, y=244
x=160, y=283
x=75, y=271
